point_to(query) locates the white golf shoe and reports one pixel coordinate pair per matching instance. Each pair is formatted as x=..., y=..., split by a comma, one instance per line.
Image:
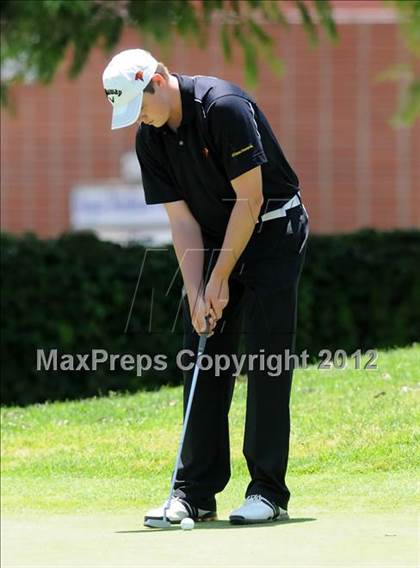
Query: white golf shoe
x=179, y=509
x=257, y=509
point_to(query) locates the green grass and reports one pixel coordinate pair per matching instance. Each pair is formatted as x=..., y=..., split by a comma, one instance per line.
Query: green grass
x=353, y=445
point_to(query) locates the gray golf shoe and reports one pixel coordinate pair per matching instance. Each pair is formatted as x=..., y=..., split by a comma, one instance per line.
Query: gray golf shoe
x=257, y=509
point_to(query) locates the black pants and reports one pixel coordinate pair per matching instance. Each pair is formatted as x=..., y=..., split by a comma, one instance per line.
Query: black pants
x=263, y=297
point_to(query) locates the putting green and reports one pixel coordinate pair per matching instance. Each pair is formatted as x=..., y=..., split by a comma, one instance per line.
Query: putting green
x=305, y=541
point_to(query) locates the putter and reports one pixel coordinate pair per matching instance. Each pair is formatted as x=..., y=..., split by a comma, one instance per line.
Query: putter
x=164, y=523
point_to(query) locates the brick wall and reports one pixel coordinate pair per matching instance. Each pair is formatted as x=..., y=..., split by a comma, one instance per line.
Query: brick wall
x=330, y=115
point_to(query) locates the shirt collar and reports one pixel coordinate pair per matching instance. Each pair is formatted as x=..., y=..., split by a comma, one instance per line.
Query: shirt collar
x=186, y=88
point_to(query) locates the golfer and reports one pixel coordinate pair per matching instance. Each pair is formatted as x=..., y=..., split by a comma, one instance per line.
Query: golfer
x=239, y=230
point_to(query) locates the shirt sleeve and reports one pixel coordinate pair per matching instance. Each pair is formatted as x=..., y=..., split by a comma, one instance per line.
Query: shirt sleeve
x=157, y=185
x=234, y=129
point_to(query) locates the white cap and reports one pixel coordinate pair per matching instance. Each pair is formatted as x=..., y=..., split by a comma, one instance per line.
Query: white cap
x=124, y=80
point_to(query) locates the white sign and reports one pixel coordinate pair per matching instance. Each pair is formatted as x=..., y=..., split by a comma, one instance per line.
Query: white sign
x=118, y=212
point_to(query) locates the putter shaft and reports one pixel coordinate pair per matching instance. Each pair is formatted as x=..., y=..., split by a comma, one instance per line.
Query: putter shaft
x=200, y=351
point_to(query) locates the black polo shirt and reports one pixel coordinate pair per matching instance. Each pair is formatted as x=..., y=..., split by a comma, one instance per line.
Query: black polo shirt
x=223, y=134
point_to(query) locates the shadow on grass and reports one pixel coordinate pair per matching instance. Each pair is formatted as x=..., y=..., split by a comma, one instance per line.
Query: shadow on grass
x=224, y=525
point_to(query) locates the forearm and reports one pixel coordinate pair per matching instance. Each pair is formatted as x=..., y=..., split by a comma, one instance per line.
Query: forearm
x=189, y=249
x=238, y=232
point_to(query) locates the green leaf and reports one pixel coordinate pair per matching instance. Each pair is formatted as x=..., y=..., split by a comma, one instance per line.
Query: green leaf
x=249, y=52
x=324, y=11
x=271, y=9
x=277, y=66
x=409, y=108
x=226, y=41
x=235, y=6
x=408, y=13
x=264, y=46
x=251, y=69
x=308, y=23
x=210, y=6
x=259, y=33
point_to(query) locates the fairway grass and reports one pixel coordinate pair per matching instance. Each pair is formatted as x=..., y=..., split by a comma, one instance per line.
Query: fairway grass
x=353, y=445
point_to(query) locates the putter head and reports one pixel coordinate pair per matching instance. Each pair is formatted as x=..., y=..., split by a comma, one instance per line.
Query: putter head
x=157, y=523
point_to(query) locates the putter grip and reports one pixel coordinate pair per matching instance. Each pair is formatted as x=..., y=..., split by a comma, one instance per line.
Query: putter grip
x=206, y=333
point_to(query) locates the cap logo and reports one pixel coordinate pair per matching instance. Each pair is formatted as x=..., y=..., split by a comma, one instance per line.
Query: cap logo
x=110, y=92
x=139, y=75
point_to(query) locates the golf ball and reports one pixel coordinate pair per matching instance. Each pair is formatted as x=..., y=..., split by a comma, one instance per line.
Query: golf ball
x=187, y=524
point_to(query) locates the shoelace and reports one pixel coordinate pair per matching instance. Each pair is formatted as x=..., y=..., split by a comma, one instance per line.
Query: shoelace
x=253, y=498
x=173, y=500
